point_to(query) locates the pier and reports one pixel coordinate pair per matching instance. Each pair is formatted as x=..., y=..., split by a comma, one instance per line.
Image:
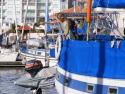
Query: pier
x=11, y=64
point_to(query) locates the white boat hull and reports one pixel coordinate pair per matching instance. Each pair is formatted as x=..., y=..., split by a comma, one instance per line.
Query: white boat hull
x=8, y=57
x=70, y=83
x=52, y=61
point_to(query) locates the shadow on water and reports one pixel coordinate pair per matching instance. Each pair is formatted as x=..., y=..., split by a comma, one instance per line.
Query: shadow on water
x=101, y=67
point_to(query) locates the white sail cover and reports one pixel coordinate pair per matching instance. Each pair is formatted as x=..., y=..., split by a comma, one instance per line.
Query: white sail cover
x=35, y=42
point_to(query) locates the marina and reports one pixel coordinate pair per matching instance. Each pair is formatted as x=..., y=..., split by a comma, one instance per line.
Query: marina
x=62, y=47
x=7, y=78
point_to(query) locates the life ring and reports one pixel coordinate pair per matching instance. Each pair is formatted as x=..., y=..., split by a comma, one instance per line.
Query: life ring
x=58, y=47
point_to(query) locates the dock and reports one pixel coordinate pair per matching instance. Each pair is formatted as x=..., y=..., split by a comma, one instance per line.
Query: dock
x=11, y=64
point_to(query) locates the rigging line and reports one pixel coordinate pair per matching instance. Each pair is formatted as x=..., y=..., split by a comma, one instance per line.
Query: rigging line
x=116, y=28
x=116, y=18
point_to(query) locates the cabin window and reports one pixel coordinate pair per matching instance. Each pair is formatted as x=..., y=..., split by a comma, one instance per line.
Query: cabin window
x=90, y=88
x=113, y=90
x=38, y=53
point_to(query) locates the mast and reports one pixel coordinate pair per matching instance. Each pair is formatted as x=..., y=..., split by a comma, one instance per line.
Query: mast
x=46, y=28
x=15, y=19
x=35, y=20
x=1, y=15
x=89, y=9
x=24, y=19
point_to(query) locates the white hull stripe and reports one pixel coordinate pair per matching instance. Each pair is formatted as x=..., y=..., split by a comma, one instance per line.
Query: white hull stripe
x=66, y=90
x=93, y=80
x=36, y=56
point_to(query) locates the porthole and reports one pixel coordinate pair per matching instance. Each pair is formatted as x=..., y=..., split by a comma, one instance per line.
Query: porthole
x=90, y=88
x=113, y=90
x=38, y=53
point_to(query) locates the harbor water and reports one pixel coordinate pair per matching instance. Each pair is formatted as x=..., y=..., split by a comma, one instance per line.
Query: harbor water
x=7, y=78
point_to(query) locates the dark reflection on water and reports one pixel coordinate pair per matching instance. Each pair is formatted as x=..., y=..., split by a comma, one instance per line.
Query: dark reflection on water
x=7, y=78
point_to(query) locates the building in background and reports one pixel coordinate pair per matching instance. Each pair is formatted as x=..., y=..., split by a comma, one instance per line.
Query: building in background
x=55, y=6
x=65, y=4
x=12, y=9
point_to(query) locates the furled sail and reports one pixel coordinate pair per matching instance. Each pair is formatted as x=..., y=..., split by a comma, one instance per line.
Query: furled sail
x=109, y=3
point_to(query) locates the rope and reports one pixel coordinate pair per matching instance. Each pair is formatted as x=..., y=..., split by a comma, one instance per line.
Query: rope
x=116, y=27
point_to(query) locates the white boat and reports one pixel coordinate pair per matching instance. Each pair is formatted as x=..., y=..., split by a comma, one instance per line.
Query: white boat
x=38, y=54
x=8, y=51
x=34, y=49
x=8, y=55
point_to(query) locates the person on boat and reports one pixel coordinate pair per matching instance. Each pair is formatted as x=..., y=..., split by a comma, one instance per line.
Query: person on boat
x=65, y=27
x=73, y=29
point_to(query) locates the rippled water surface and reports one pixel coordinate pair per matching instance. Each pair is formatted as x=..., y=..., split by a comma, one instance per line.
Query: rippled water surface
x=7, y=78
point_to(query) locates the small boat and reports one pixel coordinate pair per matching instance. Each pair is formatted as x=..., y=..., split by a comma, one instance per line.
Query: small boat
x=8, y=55
x=7, y=51
x=33, y=67
x=44, y=79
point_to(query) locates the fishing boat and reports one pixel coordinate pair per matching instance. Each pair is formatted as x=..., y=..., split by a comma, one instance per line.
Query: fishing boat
x=95, y=64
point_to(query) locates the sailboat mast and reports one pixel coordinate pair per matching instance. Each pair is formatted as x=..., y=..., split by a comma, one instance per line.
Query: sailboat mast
x=89, y=9
x=15, y=20
x=46, y=28
x=35, y=20
x=1, y=15
x=24, y=19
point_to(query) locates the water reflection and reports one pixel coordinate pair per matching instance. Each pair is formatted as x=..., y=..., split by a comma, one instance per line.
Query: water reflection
x=7, y=78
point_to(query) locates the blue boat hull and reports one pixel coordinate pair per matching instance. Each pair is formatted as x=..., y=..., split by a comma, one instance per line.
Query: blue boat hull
x=95, y=62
